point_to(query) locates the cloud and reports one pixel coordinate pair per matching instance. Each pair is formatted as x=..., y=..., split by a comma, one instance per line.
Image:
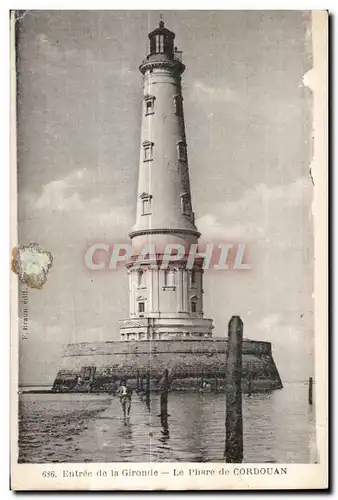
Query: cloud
x=73, y=204
x=274, y=298
x=110, y=217
x=55, y=196
x=70, y=193
x=203, y=92
x=59, y=195
x=258, y=213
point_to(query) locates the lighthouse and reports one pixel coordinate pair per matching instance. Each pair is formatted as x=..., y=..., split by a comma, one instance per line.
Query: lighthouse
x=165, y=301
x=166, y=328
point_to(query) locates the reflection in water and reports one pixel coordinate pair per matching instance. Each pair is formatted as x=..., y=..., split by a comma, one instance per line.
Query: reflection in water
x=126, y=435
x=165, y=436
x=278, y=427
x=147, y=401
x=125, y=428
x=144, y=396
x=126, y=421
x=194, y=423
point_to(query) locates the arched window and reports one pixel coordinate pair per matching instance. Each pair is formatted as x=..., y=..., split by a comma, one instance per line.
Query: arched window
x=193, y=277
x=140, y=277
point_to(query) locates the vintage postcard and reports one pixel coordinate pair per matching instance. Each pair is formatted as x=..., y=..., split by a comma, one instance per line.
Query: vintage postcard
x=169, y=250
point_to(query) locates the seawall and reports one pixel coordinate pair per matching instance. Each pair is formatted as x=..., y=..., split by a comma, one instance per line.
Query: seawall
x=192, y=364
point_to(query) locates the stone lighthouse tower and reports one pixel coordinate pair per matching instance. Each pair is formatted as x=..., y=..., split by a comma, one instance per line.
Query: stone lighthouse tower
x=166, y=301
x=165, y=328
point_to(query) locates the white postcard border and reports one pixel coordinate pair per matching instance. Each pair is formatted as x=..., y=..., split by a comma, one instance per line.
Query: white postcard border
x=298, y=476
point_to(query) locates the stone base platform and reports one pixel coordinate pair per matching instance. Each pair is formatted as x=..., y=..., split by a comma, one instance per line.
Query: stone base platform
x=192, y=365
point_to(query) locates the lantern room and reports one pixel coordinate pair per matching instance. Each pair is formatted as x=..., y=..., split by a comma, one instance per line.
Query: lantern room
x=161, y=41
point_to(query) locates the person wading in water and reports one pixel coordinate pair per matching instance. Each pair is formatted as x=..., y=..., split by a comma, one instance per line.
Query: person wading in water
x=124, y=392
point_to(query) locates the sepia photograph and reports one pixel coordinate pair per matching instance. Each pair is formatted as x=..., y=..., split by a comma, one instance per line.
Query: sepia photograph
x=164, y=254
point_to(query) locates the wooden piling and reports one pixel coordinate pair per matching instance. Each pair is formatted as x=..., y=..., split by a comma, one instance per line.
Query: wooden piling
x=165, y=429
x=249, y=387
x=137, y=381
x=164, y=395
x=310, y=390
x=147, y=391
x=234, y=423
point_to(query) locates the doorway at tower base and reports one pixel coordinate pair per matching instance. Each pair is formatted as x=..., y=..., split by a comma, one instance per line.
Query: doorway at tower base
x=192, y=365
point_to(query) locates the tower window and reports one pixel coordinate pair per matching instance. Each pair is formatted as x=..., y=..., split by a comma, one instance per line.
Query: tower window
x=178, y=103
x=193, y=277
x=146, y=203
x=141, y=307
x=185, y=205
x=169, y=278
x=149, y=104
x=147, y=151
x=193, y=306
x=160, y=44
x=140, y=277
x=181, y=151
x=146, y=209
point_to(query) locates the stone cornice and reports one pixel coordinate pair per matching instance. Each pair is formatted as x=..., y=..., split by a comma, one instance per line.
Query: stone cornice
x=142, y=232
x=172, y=65
x=155, y=262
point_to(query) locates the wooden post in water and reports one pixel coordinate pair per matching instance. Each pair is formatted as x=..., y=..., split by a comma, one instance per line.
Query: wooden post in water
x=137, y=381
x=249, y=379
x=202, y=380
x=148, y=389
x=310, y=390
x=234, y=423
x=164, y=394
x=249, y=387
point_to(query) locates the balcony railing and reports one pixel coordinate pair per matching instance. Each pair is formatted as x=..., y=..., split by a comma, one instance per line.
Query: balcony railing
x=178, y=55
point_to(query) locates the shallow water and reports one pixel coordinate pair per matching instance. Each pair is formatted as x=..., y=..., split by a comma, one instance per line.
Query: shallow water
x=278, y=427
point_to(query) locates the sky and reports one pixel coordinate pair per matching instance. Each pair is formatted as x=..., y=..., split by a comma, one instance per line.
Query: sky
x=248, y=117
